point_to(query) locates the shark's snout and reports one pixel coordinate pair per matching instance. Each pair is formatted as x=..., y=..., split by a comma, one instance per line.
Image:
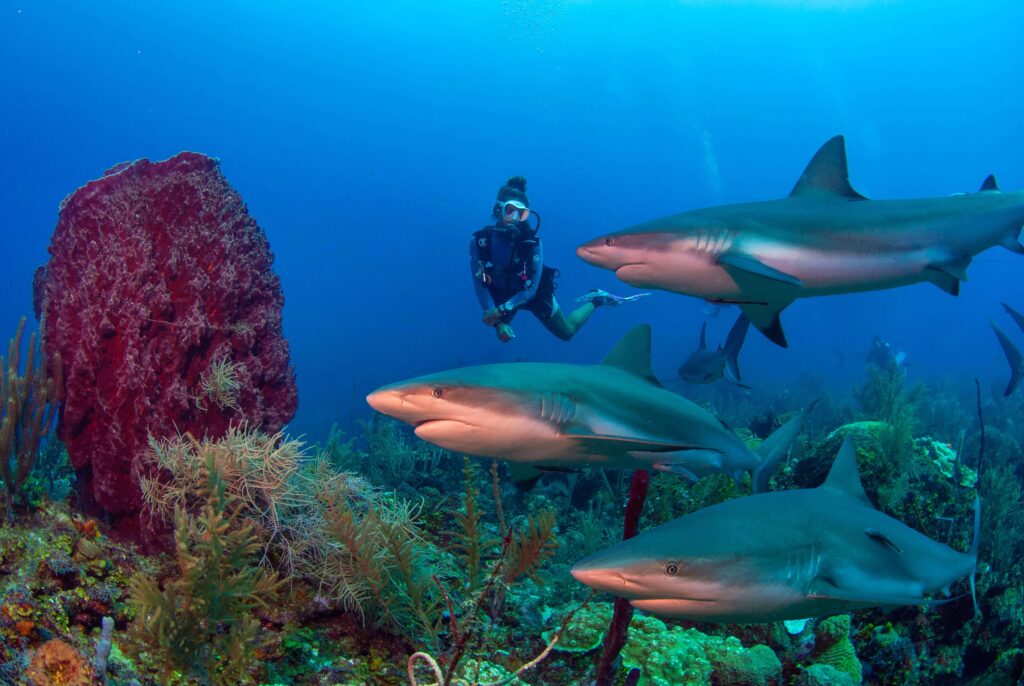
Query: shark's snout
x=386, y=400
x=586, y=253
x=601, y=574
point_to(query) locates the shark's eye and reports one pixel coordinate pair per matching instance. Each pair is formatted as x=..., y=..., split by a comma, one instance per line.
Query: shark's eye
x=437, y=392
x=609, y=241
x=671, y=568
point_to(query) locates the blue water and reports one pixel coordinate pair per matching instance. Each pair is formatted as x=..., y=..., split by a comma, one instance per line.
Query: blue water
x=368, y=140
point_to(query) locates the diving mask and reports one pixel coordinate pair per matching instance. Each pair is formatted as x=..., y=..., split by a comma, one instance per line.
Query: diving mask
x=514, y=211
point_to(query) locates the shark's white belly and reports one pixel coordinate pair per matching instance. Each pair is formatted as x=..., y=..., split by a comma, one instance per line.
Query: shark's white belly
x=514, y=437
x=821, y=271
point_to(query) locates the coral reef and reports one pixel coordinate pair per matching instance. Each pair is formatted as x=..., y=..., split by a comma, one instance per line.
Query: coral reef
x=200, y=622
x=58, y=664
x=160, y=300
x=833, y=647
x=673, y=656
x=28, y=402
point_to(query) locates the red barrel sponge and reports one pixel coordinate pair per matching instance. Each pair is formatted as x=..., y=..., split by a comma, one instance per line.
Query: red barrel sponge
x=160, y=299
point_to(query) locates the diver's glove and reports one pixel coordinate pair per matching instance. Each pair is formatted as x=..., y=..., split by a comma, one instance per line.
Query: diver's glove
x=492, y=316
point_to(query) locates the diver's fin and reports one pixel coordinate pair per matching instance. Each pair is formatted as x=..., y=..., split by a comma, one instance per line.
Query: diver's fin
x=733, y=261
x=775, y=448
x=844, y=476
x=523, y=476
x=765, y=316
x=943, y=280
x=703, y=336
x=633, y=353
x=989, y=184
x=876, y=535
x=1015, y=315
x=733, y=343
x=827, y=175
x=1013, y=357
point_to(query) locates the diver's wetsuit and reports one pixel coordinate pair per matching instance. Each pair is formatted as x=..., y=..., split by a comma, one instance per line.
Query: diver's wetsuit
x=512, y=260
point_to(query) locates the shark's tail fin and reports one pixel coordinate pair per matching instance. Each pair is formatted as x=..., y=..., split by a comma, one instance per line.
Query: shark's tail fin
x=775, y=448
x=973, y=551
x=1013, y=356
x=733, y=344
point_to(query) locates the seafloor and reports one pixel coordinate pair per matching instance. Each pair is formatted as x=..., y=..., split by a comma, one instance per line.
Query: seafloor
x=283, y=563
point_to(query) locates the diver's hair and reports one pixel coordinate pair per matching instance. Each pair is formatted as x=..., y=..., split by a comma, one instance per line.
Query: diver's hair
x=517, y=182
x=514, y=189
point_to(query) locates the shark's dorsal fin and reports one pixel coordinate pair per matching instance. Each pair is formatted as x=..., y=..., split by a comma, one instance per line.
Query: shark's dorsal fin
x=703, y=336
x=827, y=174
x=633, y=353
x=989, y=184
x=843, y=477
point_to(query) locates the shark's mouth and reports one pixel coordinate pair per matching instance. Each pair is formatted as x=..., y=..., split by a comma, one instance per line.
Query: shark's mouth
x=633, y=273
x=433, y=425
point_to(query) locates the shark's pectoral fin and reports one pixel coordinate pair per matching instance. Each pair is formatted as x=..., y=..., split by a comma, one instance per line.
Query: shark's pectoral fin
x=679, y=469
x=697, y=463
x=737, y=261
x=824, y=590
x=765, y=317
x=604, y=443
x=1015, y=241
x=876, y=535
x=955, y=266
x=524, y=476
x=943, y=280
x=766, y=292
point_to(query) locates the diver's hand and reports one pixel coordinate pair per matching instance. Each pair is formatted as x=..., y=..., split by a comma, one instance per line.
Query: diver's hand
x=505, y=332
x=492, y=316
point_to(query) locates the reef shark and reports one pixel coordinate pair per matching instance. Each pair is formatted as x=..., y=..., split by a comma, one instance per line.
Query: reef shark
x=553, y=416
x=1013, y=354
x=706, y=365
x=781, y=555
x=824, y=238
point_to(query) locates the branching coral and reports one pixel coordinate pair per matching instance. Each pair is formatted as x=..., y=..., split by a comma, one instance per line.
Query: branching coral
x=201, y=622
x=28, y=404
x=220, y=385
x=521, y=553
x=358, y=547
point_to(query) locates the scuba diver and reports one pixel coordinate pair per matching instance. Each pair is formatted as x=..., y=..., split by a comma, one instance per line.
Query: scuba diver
x=509, y=274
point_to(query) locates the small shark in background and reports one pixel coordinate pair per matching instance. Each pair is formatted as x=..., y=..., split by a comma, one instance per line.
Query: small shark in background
x=550, y=416
x=825, y=238
x=1013, y=355
x=781, y=555
x=707, y=366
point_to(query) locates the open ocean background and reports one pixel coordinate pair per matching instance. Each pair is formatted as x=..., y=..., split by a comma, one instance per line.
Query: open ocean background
x=369, y=139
